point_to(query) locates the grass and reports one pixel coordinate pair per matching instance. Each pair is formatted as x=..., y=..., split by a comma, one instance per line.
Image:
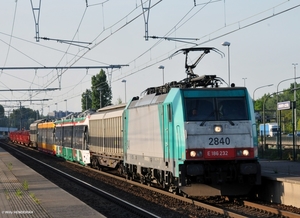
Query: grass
x=7, y=195
x=34, y=198
x=25, y=185
x=19, y=192
x=10, y=166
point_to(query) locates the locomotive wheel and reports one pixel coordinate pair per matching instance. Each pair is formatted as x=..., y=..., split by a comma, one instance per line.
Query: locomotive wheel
x=128, y=177
x=95, y=164
x=121, y=169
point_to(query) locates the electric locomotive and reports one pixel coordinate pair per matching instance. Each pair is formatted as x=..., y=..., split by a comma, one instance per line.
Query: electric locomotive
x=193, y=137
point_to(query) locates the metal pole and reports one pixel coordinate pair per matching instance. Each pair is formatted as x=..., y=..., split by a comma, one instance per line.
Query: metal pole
x=56, y=112
x=163, y=72
x=229, y=65
x=228, y=44
x=264, y=142
x=125, y=93
x=265, y=139
x=100, y=99
x=66, y=107
x=260, y=88
x=20, y=117
x=295, y=109
x=124, y=81
x=244, y=81
x=86, y=101
x=294, y=135
x=281, y=82
x=280, y=139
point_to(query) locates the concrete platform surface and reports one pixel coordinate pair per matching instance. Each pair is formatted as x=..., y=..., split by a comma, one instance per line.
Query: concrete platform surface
x=25, y=193
x=281, y=169
x=280, y=182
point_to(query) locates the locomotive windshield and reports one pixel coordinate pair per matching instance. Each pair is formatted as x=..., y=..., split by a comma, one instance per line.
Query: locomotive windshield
x=211, y=109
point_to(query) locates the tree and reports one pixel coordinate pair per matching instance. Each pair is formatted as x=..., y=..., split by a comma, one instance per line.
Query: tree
x=3, y=119
x=100, y=86
x=271, y=106
x=23, y=117
x=86, y=100
x=1, y=111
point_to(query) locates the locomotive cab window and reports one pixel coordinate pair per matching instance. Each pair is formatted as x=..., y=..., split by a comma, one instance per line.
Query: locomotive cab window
x=210, y=109
x=200, y=109
x=232, y=109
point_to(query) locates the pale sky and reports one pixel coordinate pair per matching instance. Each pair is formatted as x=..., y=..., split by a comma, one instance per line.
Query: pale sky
x=264, y=37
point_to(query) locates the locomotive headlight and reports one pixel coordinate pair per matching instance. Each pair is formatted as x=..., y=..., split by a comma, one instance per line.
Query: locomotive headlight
x=196, y=153
x=245, y=152
x=242, y=152
x=193, y=153
x=218, y=128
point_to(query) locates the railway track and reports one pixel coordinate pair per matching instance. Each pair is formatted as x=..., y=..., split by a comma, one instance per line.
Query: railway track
x=178, y=206
x=99, y=195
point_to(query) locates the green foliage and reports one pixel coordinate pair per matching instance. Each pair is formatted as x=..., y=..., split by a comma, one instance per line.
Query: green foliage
x=90, y=99
x=86, y=100
x=268, y=103
x=19, y=192
x=10, y=166
x=1, y=111
x=32, y=195
x=100, y=86
x=3, y=118
x=7, y=195
x=25, y=185
x=19, y=118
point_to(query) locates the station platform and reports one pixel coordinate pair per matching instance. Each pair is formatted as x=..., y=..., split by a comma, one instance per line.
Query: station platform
x=25, y=193
x=280, y=182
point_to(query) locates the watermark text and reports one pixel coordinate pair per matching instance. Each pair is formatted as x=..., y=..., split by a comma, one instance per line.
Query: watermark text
x=17, y=212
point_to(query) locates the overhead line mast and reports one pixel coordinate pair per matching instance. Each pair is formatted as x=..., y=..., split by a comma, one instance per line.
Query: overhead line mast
x=36, y=16
x=146, y=11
